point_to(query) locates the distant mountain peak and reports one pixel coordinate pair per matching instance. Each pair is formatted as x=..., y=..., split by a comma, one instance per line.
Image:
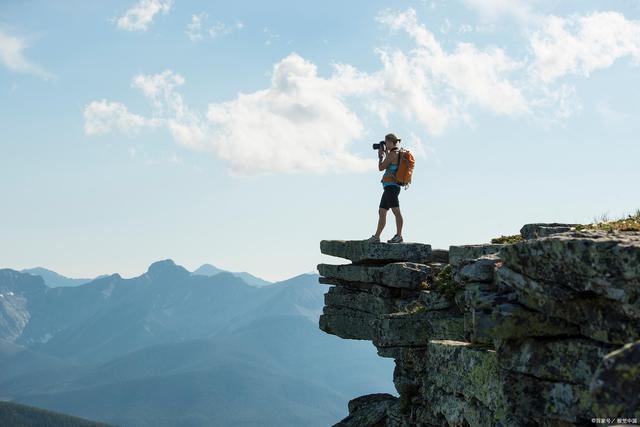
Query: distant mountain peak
x=53, y=279
x=207, y=270
x=249, y=279
x=166, y=267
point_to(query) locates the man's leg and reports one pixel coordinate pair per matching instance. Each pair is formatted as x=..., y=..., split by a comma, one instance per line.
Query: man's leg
x=382, y=220
x=399, y=222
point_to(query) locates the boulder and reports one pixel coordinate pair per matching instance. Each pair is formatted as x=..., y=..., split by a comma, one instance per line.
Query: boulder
x=534, y=231
x=369, y=411
x=459, y=254
x=480, y=270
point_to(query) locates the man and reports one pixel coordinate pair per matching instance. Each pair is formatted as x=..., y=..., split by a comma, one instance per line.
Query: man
x=388, y=157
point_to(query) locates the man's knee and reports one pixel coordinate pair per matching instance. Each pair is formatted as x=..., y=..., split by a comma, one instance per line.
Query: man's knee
x=382, y=211
x=396, y=211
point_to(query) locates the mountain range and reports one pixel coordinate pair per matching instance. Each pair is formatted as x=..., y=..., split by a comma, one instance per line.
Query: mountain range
x=54, y=280
x=173, y=347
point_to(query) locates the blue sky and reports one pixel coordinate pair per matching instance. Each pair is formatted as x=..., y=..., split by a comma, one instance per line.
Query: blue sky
x=239, y=134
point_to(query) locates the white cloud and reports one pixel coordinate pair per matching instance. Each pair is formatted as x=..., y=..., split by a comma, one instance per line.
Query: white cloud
x=102, y=117
x=583, y=44
x=196, y=30
x=140, y=16
x=436, y=87
x=491, y=10
x=300, y=123
x=12, y=56
x=305, y=122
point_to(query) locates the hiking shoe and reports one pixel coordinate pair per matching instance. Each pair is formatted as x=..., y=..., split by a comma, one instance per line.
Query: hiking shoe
x=373, y=239
x=395, y=239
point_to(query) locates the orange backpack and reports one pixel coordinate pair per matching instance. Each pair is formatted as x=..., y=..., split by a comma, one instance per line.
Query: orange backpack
x=405, y=168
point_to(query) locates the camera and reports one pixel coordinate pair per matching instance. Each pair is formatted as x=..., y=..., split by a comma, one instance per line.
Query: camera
x=378, y=145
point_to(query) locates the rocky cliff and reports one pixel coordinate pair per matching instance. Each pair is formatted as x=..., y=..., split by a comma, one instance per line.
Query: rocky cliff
x=545, y=331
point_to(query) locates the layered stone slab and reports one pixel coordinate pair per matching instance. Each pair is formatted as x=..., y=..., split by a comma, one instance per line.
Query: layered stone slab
x=348, y=323
x=407, y=275
x=377, y=301
x=359, y=251
x=372, y=288
x=607, y=263
x=597, y=317
x=508, y=321
x=535, y=231
x=341, y=296
x=571, y=360
x=459, y=254
x=418, y=328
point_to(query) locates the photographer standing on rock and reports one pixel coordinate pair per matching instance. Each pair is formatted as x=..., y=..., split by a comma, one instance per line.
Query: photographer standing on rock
x=388, y=158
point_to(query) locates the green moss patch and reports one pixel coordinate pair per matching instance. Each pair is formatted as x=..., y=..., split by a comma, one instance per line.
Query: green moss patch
x=515, y=238
x=630, y=223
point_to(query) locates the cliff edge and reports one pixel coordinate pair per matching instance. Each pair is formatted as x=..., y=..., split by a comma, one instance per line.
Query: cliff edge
x=545, y=331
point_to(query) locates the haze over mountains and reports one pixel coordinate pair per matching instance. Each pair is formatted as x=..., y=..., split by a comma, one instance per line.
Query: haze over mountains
x=171, y=347
x=54, y=280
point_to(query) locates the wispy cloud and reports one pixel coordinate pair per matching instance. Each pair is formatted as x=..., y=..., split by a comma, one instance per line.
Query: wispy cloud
x=491, y=10
x=12, y=56
x=272, y=36
x=610, y=115
x=101, y=117
x=194, y=28
x=198, y=28
x=140, y=15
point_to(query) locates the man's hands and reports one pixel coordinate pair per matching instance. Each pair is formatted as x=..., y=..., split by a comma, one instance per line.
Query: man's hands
x=382, y=151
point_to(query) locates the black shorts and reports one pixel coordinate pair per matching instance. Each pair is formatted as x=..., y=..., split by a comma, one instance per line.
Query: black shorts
x=390, y=197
